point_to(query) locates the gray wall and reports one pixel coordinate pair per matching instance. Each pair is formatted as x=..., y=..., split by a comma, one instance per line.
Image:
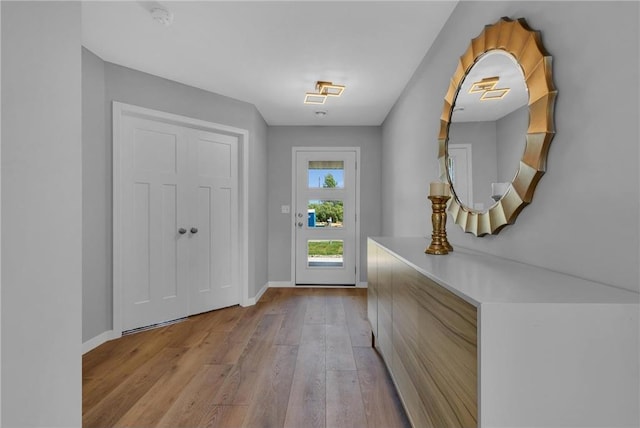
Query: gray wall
x=281, y=140
x=41, y=214
x=510, y=138
x=593, y=160
x=482, y=137
x=96, y=201
x=133, y=87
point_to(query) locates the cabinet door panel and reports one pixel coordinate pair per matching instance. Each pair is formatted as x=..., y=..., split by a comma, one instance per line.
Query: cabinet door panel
x=385, y=263
x=372, y=286
x=428, y=339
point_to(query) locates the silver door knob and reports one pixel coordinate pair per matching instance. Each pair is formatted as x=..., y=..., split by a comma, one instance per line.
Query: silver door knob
x=194, y=230
x=182, y=231
x=300, y=224
x=300, y=215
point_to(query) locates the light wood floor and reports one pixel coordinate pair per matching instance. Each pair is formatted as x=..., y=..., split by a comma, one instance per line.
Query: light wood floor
x=300, y=358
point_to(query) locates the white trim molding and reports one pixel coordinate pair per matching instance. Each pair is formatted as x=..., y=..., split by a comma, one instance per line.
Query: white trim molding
x=253, y=300
x=99, y=340
x=119, y=111
x=281, y=284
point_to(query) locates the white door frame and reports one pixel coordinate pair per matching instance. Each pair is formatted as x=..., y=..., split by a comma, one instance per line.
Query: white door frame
x=468, y=148
x=294, y=151
x=119, y=111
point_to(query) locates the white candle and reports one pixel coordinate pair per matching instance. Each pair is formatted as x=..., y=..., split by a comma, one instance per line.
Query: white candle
x=447, y=189
x=436, y=188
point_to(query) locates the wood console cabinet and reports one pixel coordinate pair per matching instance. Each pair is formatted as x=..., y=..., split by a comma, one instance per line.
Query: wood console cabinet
x=474, y=340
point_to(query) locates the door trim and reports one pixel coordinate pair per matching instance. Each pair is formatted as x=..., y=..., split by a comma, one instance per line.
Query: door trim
x=119, y=111
x=294, y=151
x=467, y=148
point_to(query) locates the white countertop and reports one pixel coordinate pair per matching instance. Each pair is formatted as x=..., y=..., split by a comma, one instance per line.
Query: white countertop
x=482, y=279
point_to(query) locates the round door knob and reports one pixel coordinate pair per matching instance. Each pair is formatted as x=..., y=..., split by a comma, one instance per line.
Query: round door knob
x=194, y=230
x=299, y=224
x=182, y=231
x=300, y=215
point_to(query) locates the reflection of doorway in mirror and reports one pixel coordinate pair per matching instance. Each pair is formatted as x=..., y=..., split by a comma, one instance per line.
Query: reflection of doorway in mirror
x=460, y=172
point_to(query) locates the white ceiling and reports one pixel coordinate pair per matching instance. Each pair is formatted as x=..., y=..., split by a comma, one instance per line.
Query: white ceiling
x=271, y=53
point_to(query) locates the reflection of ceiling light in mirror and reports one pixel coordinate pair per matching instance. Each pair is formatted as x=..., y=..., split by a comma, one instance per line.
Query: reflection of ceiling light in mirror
x=495, y=94
x=487, y=87
x=483, y=85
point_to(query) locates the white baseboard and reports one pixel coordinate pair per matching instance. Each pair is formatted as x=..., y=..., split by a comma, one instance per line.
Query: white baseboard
x=362, y=284
x=253, y=300
x=281, y=284
x=261, y=292
x=98, y=340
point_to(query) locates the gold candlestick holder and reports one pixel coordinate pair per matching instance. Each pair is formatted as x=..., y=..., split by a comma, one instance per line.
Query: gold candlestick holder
x=439, y=242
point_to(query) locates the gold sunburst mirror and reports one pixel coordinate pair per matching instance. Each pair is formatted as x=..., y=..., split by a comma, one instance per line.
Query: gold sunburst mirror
x=496, y=126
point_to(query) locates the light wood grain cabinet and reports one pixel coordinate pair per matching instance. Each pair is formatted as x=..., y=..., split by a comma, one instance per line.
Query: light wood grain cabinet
x=427, y=337
x=473, y=340
x=372, y=286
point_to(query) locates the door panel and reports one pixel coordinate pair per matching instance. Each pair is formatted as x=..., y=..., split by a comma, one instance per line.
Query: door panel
x=169, y=224
x=216, y=217
x=204, y=240
x=140, y=287
x=221, y=232
x=325, y=217
x=155, y=280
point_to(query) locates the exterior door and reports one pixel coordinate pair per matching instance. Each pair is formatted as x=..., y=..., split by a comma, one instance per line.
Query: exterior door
x=179, y=237
x=325, y=217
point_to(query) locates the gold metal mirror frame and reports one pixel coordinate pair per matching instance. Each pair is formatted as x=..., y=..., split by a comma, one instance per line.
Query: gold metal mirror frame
x=525, y=44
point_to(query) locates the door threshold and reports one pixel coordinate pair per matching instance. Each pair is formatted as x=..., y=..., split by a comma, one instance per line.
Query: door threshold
x=152, y=326
x=326, y=285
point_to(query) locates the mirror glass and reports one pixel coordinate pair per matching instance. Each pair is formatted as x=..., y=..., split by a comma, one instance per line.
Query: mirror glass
x=487, y=130
x=496, y=126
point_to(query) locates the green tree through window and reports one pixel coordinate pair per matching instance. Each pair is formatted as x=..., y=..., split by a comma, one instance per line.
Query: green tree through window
x=329, y=181
x=326, y=210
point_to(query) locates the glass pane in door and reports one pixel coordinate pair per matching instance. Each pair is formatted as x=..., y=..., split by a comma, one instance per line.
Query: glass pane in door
x=325, y=213
x=325, y=174
x=325, y=253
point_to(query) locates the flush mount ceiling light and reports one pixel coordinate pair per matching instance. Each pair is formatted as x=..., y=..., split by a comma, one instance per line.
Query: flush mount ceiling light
x=323, y=90
x=313, y=98
x=329, y=89
x=487, y=87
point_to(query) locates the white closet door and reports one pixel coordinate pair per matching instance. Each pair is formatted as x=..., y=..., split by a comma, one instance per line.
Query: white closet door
x=154, y=181
x=214, y=217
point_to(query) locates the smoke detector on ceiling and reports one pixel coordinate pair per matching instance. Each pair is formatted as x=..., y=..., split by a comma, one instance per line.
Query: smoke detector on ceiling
x=162, y=16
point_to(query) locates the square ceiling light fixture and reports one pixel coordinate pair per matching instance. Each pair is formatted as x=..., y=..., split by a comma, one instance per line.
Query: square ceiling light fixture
x=313, y=98
x=323, y=90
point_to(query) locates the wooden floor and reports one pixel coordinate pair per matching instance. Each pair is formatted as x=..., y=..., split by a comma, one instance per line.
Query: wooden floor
x=300, y=358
